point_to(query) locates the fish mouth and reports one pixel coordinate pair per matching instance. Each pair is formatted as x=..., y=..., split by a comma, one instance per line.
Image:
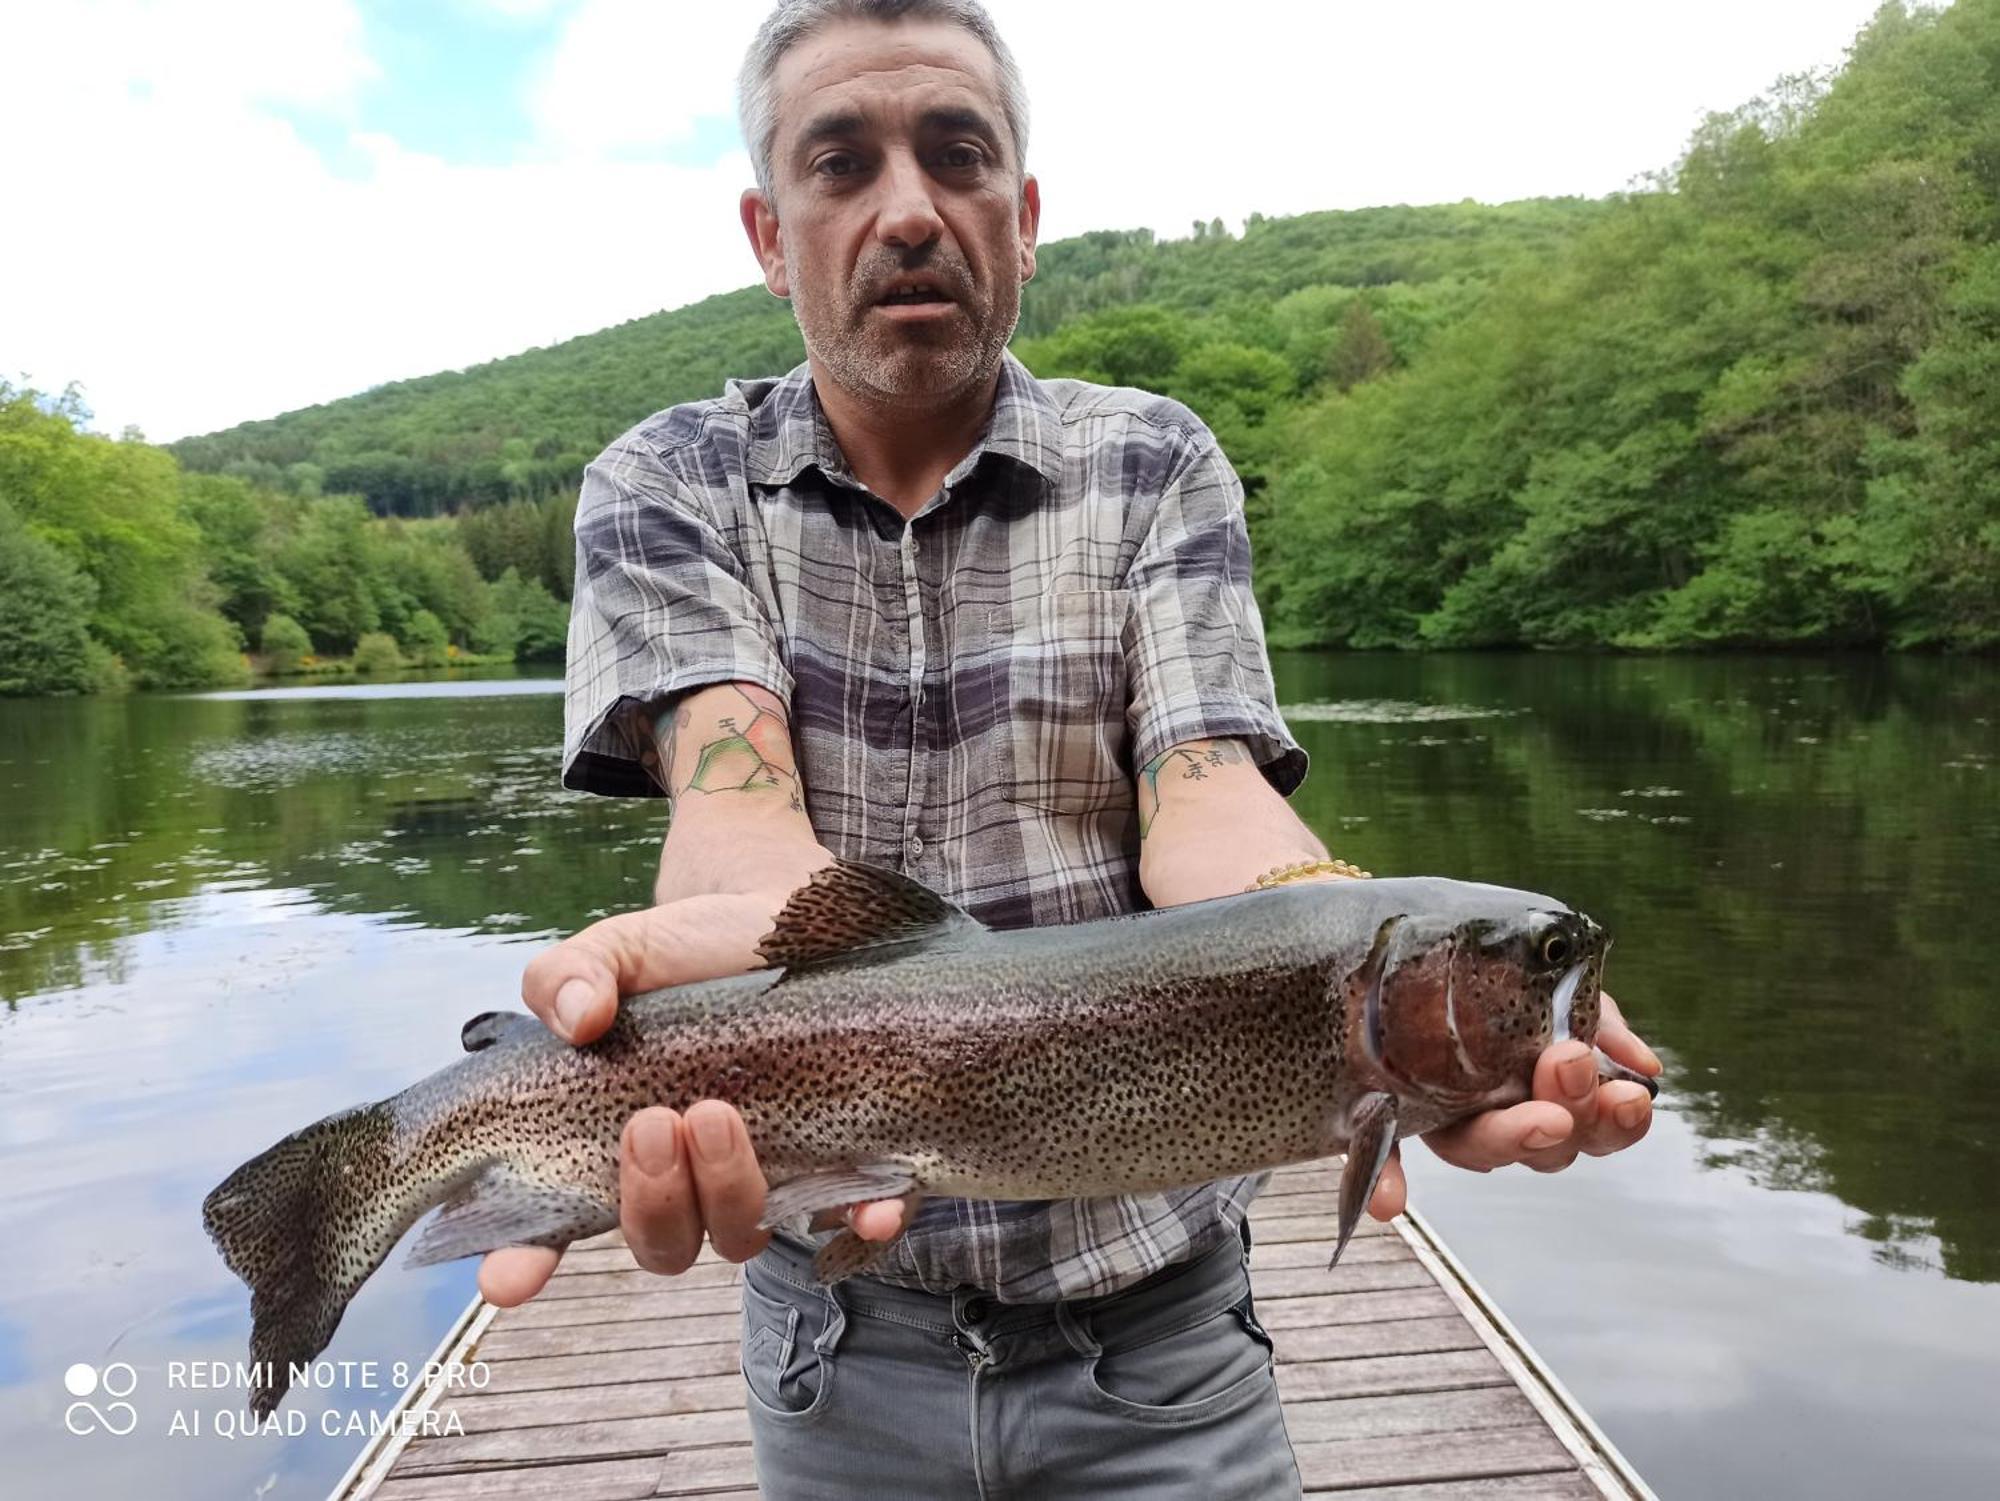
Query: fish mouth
x=1564, y=999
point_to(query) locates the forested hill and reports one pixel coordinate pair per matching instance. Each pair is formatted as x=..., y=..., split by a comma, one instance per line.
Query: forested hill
x=523, y=426
x=1756, y=403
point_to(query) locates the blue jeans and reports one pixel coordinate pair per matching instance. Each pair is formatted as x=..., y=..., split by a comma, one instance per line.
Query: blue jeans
x=1164, y=1391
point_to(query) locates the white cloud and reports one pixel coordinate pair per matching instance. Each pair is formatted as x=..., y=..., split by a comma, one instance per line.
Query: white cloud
x=176, y=245
x=636, y=73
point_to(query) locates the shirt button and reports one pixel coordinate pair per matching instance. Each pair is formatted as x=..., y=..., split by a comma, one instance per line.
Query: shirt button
x=915, y=847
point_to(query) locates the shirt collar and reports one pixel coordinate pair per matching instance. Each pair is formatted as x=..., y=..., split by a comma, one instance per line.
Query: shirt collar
x=789, y=432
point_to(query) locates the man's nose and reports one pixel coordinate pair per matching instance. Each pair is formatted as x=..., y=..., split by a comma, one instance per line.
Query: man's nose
x=907, y=217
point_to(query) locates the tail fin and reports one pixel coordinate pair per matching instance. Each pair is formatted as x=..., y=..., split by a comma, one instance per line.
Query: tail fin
x=304, y=1224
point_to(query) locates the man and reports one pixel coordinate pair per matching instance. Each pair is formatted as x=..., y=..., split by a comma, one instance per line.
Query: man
x=912, y=606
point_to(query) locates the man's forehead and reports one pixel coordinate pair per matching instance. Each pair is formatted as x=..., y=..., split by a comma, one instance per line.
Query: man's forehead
x=852, y=64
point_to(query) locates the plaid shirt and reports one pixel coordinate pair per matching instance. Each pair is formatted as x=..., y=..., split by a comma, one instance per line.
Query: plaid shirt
x=971, y=693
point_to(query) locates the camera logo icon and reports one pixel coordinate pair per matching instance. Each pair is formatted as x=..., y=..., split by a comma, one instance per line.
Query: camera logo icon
x=116, y=1380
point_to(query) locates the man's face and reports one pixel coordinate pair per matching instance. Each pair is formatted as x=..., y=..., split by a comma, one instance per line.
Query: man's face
x=901, y=228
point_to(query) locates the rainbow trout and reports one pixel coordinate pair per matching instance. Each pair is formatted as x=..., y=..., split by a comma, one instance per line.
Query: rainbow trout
x=894, y=1044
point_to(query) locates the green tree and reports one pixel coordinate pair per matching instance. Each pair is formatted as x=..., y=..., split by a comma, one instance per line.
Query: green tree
x=1361, y=352
x=286, y=645
x=377, y=652
x=45, y=600
x=425, y=640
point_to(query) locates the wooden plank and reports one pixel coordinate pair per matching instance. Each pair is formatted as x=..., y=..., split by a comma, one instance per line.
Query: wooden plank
x=1302, y=1180
x=618, y=1480
x=486, y=1412
x=1334, y=1309
x=505, y=1343
x=1350, y=1463
x=1354, y=1418
x=1319, y=1229
x=614, y=1438
x=1382, y=1375
x=1361, y=1276
x=672, y=1363
x=1401, y=1337
x=1271, y=1254
x=1554, y=1486
x=618, y=1384
x=606, y=1277
x=663, y=1300
x=703, y=1472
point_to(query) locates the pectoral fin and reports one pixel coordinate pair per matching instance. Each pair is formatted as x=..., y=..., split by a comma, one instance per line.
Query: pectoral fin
x=836, y=1190
x=845, y=1255
x=499, y=1207
x=1369, y=1143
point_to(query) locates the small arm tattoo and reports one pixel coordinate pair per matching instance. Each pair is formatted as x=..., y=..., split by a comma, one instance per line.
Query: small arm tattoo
x=1191, y=762
x=742, y=749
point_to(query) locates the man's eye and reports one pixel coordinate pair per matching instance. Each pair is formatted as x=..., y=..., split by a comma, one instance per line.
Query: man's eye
x=961, y=156
x=837, y=164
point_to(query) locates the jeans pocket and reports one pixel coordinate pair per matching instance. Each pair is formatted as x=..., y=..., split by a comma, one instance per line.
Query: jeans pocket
x=788, y=1338
x=1191, y=1373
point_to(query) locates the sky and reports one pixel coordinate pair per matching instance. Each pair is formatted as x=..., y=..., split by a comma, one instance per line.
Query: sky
x=217, y=210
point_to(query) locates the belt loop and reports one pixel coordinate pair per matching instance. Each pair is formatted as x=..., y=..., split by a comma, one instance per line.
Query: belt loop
x=836, y=1323
x=1073, y=1330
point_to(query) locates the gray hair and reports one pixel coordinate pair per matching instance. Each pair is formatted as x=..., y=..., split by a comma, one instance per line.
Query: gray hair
x=793, y=21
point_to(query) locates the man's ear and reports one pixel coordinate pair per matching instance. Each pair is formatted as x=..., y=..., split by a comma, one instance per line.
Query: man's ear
x=1031, y=222
x=760, y=223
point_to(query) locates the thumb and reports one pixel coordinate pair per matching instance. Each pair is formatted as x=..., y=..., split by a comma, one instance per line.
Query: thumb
x=574, y=986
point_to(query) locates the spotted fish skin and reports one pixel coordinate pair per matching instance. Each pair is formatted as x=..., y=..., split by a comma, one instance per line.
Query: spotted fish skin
x=896, y=1045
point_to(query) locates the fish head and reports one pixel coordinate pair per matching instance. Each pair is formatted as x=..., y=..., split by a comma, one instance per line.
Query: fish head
x=1459, y=1005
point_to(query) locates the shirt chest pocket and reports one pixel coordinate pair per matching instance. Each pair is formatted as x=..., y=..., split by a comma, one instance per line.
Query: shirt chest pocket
x=1061, y=742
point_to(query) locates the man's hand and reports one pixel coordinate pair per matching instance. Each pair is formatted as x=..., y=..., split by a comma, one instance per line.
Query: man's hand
x=679, y=1175
x=1571, y=1113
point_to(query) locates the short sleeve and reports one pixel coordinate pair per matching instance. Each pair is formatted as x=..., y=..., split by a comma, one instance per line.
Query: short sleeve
x=662, y=605
x=1194, y=645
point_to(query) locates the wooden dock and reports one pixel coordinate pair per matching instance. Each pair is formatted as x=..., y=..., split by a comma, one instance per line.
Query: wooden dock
x=1401, y=1382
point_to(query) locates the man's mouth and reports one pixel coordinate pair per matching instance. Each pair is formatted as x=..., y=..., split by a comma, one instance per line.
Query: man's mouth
x=904, y=294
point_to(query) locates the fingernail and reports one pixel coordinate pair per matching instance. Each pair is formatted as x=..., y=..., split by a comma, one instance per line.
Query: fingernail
x=572, y=1005
x=1536, y=1139
x=1577, y=1076
x=1652, y=1064
x=1630, y=1113
x=656, y=1146
x=713, y=1140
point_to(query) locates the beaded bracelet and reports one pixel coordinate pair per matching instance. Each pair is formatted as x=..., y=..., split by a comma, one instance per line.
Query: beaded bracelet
x=1306, y=868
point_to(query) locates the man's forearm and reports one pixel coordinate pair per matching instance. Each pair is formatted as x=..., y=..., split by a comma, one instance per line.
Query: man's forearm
x=724, y=757
x=1210, y=825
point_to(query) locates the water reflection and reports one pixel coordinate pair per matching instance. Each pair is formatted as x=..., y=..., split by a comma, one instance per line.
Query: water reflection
x=1788, y=853
x=222, y=917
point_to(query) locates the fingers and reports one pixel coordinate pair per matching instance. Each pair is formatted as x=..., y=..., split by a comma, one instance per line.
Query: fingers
x=514, y=1274
x=1392, y=1191
x=574, y=986
x=883, y=1219
x=1497, y=1138
x=1571, y=1114
x=1621, y=1042
x=657, y=1204
x=728, y=1183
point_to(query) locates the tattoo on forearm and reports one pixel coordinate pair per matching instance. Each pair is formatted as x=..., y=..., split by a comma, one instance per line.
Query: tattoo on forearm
x=744, y=750
x=1184, y=763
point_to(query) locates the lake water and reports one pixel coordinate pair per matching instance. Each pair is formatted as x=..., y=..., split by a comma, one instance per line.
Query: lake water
x=223, y=917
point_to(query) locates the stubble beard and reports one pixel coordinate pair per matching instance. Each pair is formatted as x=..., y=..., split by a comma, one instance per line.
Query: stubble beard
x=912, y=370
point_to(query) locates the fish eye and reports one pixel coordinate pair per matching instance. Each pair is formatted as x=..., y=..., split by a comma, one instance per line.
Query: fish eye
x=1555, y=949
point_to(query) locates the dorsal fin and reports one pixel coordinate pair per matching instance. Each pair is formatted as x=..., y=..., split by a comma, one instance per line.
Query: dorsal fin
x=849, y=910
x=490, y=1027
